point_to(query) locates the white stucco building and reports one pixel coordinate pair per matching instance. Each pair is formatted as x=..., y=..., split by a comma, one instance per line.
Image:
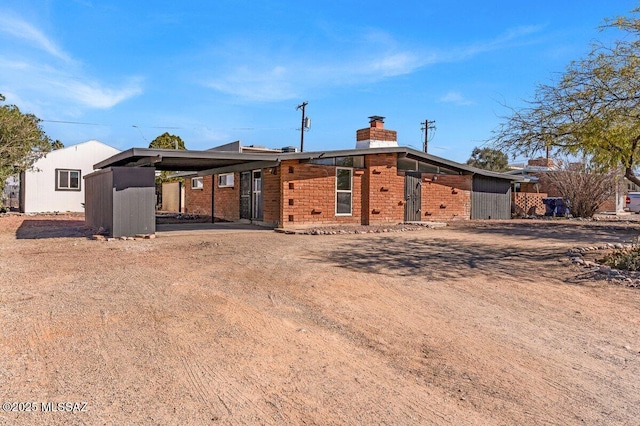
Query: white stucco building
x=55, y=182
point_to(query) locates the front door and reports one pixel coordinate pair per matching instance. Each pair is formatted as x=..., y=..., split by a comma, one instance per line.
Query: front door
x=245, y=195
x=256, y=194
x=412, y=196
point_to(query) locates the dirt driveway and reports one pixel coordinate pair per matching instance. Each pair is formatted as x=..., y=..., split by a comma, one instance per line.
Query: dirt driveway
x=482, y=323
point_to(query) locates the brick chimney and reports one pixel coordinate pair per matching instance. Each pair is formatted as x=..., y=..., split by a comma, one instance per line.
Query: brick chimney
x=376, y=136
x=541, y=162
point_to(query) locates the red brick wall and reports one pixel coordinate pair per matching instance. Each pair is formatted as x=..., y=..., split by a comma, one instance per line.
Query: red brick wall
x=446, y=198
x=377, y=134
x=309, y=195
x=385, y=187
x=227, y=199
x=198, y=201
x=271, y=183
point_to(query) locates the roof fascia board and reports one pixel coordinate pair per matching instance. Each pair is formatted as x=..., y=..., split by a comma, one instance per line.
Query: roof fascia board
x=254, y=165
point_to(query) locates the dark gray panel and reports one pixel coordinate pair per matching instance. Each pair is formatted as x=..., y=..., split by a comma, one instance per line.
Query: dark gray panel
x=98, y=201
x=121, y=200
x=245, y=195
x=491, y=198
x=134, y=211
x=133, y=177
x=413, y=197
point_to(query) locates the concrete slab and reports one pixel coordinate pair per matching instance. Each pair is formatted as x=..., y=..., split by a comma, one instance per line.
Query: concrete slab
x=428, y=224
x=174, y=229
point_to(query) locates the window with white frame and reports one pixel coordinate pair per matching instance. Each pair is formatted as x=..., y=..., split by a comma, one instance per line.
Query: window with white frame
x=196, y=183
x=225, y=180
x=344, y=193
x=67, y=180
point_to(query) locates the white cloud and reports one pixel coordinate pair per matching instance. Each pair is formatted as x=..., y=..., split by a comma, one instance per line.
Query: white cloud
x=455, y=98
x=20, y=29
x=263, y=81
x=94, y=95
x=49, y=76
x=248, y=69
x=268, y=85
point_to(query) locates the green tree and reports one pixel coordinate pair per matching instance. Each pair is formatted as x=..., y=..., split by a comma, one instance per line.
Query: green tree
x=489, y=159
x=167, y=141
x=22, y=141
x=593, y=109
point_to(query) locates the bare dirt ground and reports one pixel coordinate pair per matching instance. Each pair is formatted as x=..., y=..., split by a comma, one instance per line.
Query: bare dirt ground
x=481, y=323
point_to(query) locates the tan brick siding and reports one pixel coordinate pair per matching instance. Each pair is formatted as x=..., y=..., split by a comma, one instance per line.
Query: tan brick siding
x=198, y=201
x=309, y=195
x=227, y=199
x=302, y=194
x=385, y=187
x=271, y=183
x=446, y=198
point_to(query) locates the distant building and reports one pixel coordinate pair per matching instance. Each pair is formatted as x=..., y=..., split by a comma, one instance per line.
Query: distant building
x=535, y=186
x=55, y=184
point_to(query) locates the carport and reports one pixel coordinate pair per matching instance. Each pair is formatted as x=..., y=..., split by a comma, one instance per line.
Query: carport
x=120, y=194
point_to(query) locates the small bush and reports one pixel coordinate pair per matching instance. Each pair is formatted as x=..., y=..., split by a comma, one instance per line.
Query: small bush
x=626, y=259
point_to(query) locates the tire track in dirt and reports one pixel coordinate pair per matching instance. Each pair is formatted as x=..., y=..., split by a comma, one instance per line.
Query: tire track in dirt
x=222, y=394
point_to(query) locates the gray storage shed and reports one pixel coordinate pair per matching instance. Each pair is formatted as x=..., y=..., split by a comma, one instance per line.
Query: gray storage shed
x=490, y=198
x=121, y=200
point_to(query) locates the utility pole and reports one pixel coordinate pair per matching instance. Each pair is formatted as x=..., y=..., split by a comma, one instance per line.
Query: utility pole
x=426, y=126
x=302, y=106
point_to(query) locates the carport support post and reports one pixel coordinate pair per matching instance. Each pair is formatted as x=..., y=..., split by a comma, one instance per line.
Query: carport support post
x=213, y=198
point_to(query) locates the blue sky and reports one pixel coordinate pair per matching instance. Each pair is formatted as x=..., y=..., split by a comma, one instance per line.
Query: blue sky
x=217, y=71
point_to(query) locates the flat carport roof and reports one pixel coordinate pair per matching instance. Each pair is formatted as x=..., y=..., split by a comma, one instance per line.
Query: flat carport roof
x=215, y=162
x=182, y=160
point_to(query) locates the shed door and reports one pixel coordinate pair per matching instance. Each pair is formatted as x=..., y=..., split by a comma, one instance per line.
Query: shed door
x=491, y=198
x=245, y=195
x=412, y=196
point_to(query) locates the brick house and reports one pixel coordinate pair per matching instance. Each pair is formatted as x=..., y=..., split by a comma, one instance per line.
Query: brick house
x=378, y=182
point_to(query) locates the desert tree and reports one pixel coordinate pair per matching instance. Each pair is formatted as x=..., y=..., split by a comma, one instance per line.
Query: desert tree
x=593, y=109
x=489, y=159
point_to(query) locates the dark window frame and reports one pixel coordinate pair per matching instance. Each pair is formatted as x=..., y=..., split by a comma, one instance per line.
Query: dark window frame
x=68, y=187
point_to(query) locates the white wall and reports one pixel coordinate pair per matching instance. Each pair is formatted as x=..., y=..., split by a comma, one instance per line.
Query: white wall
x=40, y=183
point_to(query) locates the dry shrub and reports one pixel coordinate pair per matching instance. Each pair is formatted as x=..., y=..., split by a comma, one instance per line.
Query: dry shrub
x=583, y=187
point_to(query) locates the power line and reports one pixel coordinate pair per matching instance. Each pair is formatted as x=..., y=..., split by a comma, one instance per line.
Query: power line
x=172, y=127
x=73, y=122
x=145, y=139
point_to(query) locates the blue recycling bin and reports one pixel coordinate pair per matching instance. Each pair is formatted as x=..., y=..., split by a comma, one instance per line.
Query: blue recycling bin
x=555, y=206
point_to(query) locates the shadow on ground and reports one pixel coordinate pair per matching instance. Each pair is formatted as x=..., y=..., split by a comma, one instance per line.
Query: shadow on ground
x=571, y=232
x=35, y=229
x=443, y=259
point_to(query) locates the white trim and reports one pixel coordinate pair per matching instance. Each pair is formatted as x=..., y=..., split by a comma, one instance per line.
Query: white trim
x=225, y=180
x=195, y=185
x=350, y=192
